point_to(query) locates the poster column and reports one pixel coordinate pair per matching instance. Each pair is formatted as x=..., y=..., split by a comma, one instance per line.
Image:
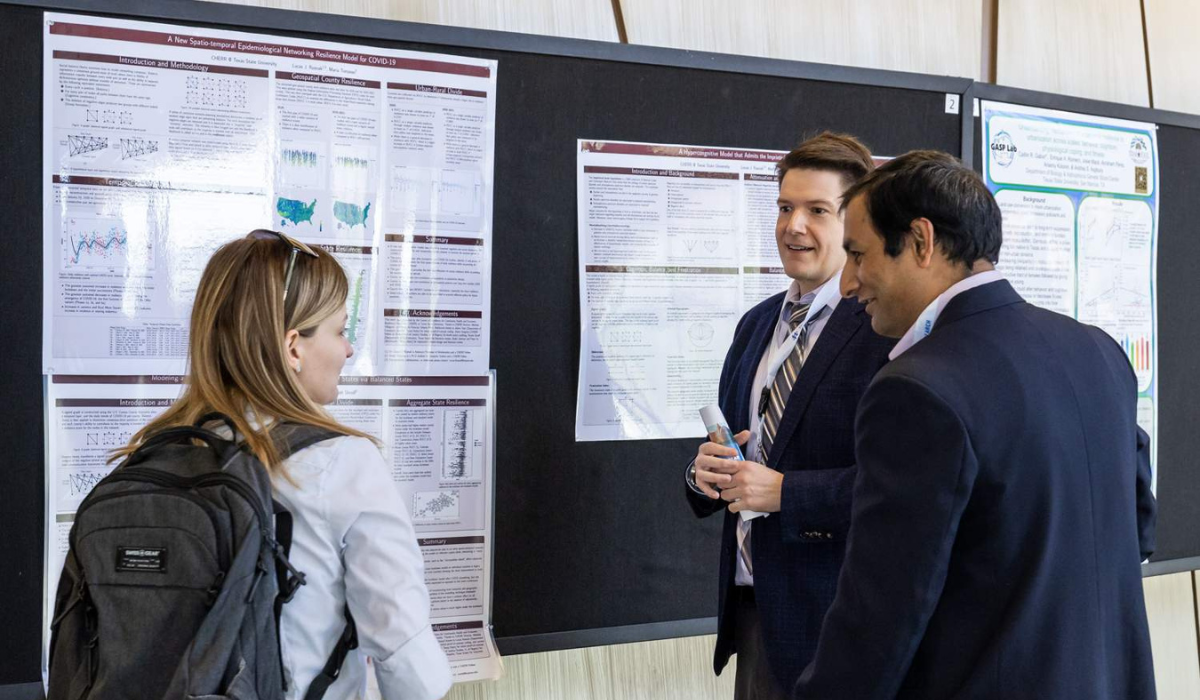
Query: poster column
x=163, y=142
x=438, y=434
x=437, y=229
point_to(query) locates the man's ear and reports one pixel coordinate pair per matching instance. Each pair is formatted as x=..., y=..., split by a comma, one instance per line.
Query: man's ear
x=291, y=345
x=921, y=239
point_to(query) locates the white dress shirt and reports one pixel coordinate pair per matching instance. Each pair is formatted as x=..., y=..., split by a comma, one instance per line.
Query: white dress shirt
x=825, y=296
x=925, y=322
x=354, y=541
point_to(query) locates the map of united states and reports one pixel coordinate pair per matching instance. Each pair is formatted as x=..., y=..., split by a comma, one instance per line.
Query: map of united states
x=294, y=211
x=351, y=214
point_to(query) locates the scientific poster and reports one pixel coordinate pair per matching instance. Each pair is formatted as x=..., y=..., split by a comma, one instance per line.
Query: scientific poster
x=163, y=142
x=675, y=244
x=437, y=435
x=1079, y=198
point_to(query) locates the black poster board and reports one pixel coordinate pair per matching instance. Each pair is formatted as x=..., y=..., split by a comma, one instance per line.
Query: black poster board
x=594, y=543
x=1178, y=463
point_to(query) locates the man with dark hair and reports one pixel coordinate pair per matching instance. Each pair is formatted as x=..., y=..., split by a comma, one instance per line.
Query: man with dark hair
x=792, y=378
x=1003, y=503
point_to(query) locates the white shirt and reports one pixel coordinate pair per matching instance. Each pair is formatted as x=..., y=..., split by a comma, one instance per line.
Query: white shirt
x=826, y=295
x=925, y=322
x=354, y=541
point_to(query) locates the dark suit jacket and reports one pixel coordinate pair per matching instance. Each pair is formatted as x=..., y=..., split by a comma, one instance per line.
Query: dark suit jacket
x=1001, y=510
x=798, y=551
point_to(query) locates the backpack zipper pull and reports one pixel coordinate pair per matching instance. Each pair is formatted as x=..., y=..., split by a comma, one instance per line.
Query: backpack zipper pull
x=215, y=589
x=260, y=570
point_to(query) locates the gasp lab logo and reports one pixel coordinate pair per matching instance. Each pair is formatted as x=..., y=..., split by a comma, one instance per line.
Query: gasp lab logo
x=1003, y=149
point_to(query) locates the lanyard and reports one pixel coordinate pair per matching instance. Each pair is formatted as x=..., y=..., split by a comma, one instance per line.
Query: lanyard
x=924, y=325
x=780, y=354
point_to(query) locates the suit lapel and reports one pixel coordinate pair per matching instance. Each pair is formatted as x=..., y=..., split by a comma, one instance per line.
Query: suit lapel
x=749, y=366
x=847, y=318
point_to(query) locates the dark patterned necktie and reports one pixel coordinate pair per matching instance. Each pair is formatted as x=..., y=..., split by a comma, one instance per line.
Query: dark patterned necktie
x=785, y=378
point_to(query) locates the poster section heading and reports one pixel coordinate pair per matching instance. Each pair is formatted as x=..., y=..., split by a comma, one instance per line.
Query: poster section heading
x=437, y=437
x=1079, y=199
x=163, y=142
x=675, y=244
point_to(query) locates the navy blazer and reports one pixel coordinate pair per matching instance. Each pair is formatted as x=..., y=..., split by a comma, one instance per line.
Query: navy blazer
x=798, y=551
x=1001, y=512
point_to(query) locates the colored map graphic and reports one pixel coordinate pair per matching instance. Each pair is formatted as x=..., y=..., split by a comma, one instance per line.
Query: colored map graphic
x=294, y=211
x=351, y=214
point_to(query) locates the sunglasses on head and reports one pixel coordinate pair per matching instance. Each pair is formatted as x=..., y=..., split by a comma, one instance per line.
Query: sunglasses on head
x=262, y=234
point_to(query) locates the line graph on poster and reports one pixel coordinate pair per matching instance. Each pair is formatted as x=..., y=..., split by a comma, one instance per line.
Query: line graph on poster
x=103, y=242
x=454, y=192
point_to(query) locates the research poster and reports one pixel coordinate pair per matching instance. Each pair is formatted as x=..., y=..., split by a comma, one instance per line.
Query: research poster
x=675, y=243
x=437, y=435
x=163, y=142
x=1079, y=199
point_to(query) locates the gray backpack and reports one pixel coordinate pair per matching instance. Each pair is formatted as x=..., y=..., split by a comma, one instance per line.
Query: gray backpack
x=176, y=574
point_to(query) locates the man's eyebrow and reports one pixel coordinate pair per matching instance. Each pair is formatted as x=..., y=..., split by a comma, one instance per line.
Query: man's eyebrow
x=810, y=202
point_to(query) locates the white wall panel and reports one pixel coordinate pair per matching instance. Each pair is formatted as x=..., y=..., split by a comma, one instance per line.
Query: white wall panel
x=1086, y=48
x=580, y=19
x=1172, y=33
x=942, y=37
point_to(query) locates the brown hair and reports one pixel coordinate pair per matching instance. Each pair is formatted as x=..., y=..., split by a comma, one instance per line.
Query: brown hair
x=237, y=358
x=839, y=153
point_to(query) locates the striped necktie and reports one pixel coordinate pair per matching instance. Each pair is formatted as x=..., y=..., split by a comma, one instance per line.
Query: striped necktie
x=785, y=378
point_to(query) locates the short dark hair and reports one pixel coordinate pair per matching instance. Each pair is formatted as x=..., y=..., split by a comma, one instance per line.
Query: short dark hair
x=936, y=186
x=839, y=153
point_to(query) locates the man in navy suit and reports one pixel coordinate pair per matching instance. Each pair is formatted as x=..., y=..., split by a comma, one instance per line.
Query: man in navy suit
x=790, y=385
x=1002, y=505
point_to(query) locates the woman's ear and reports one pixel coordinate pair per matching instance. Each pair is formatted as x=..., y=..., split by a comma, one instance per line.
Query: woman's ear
x=295, y=353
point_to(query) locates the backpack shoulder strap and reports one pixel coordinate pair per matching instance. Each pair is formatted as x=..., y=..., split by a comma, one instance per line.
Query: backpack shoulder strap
x=290, y=438
x=333, y=667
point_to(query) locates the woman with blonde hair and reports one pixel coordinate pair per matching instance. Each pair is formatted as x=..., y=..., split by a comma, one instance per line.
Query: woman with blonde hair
x=267, y=346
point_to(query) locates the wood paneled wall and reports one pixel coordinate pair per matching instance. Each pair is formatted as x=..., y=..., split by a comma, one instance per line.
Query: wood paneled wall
x=578, y=19
x=1086, y=48
x=1172, y=30
x=1089, y=48
x=942, y=37
x=1170, y=602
